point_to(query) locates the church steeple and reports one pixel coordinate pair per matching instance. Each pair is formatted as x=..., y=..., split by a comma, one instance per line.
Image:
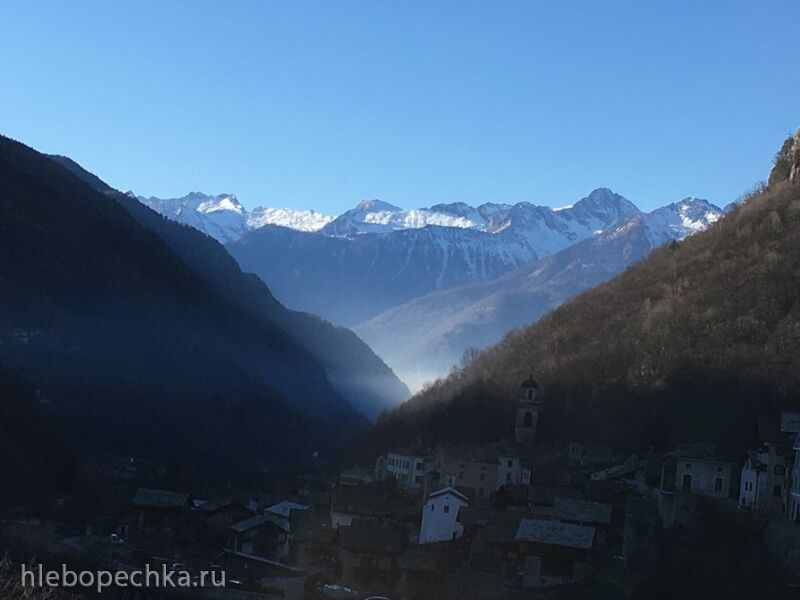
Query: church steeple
x=528, y=407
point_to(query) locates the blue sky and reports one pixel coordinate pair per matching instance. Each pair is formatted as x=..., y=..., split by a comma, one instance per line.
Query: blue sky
x=323, y=104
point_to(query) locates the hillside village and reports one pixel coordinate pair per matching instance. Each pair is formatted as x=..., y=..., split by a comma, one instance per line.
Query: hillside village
x=513, y=519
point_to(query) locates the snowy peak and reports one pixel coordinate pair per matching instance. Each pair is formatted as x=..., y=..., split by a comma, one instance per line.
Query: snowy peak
x=680, y=219
x=300, y=220
x=224, y=218
x=376, y=205
x=376, y=216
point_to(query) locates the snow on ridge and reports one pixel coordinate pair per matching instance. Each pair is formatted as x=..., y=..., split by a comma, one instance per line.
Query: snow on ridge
x=301, y=220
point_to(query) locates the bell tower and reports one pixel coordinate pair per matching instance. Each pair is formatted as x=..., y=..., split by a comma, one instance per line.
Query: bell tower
x=528, y=407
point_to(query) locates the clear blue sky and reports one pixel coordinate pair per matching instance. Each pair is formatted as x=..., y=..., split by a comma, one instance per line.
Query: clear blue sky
x=320, y=105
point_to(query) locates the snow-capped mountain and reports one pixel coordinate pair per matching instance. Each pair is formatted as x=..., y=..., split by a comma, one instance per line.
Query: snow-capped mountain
x=376, y=255
x=423, y=338
x=224, y=218
x=543, y=229
x=300, y=220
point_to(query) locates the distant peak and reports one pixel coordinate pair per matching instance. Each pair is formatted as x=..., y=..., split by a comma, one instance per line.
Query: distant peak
x=376, y=204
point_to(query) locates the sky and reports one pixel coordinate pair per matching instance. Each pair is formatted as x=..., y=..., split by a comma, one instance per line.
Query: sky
x=324, y=104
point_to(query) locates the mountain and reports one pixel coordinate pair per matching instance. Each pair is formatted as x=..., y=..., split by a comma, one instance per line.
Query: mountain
x=137, y=352
x=377, y=256
x=423, y=339
x=226, y=220
x=351, y=367
x=692, y=343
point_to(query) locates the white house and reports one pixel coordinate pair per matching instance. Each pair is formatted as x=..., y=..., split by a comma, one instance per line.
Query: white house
x=440, y=516
x=405, y=465
x=763, y=483
x=794, y=490
x=509, y=471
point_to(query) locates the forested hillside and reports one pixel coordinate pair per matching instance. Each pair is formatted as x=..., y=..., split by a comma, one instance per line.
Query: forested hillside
x=139, y=354
x=693, y=343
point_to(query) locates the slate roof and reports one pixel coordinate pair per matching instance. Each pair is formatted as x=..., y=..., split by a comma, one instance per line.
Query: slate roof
x=285, y=507
x=448, y=490
x=586, y=511
x=372, y=540
x=790, y=422
x=252, y=522
x=700, y=452
x=553, y=533
x=160, y=498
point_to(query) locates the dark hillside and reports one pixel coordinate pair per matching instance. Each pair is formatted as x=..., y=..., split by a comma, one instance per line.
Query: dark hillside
x=691, y=343
x=140, y=354
x=351, y=366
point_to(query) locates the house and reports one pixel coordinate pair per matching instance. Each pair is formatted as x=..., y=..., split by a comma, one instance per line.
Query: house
x=472, y=468
x=219, y=515
x=763, y=486
x=490, y=534
x=794, y=491
x=552, y=553
x=404, y=465
x=281, y=512
x=359, y=475
x=368, y=554
x=424, y=570
x=690, y=474
x=698, y=469
x=259, y=536
x=365, y=502
x=582, y=512
x=160, y=510
x=274, y=578
x=440, y=516
x=314, y=542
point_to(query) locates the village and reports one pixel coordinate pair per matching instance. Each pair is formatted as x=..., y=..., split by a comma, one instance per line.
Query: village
x=511, y=519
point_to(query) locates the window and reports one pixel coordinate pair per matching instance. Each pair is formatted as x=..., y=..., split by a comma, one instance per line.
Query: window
x=433, y=507
x=510, y=463
x=687, y=482
x=530, y=394
x=420, y=466
x=718, y=484
x=446, y=508
x=719, y=469
x=527, y=420
x=508, y=477
x=776, y=491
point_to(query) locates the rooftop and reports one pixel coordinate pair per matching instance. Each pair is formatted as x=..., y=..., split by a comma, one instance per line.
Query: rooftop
x=586, y=511
x=160, y=498
x=555, y=534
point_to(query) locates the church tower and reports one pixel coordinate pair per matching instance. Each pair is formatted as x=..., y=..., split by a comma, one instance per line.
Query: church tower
x=528, y=408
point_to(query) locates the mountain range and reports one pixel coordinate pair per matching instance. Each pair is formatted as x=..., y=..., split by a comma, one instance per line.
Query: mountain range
x=424, y=285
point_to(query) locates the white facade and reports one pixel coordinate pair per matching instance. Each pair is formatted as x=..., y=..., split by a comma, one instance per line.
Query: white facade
x=509, y=471
x=748, y=487
x=794, y=490
x=764, y=482
x=704, y=476
x=407, y=468
x=440, y=516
